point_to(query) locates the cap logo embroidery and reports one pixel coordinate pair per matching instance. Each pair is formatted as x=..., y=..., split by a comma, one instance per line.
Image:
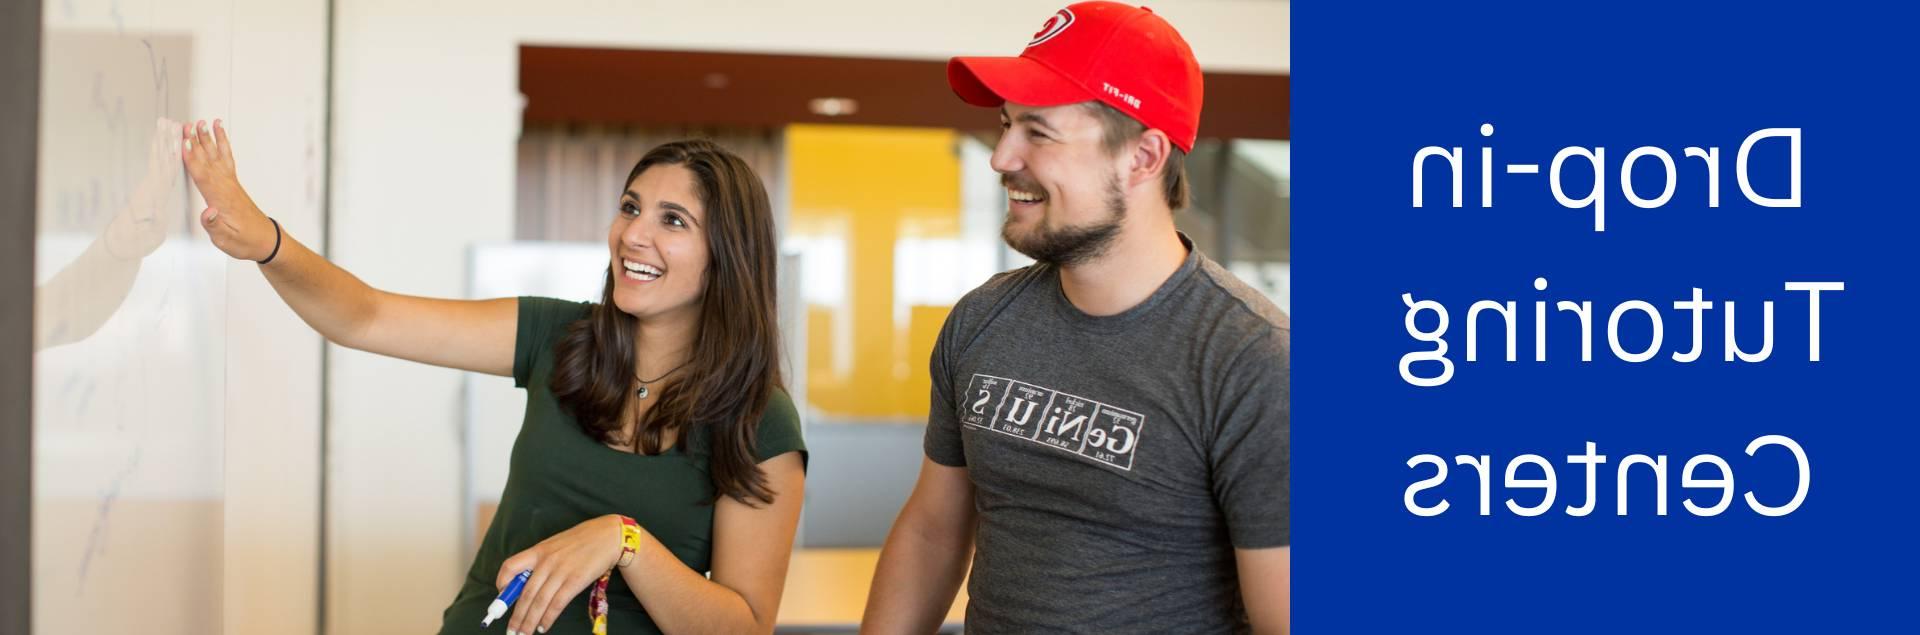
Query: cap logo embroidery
x=1124, y=97
x=1055, y=24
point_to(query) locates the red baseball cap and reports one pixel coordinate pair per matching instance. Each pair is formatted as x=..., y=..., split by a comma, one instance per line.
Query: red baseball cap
x=1124, y=56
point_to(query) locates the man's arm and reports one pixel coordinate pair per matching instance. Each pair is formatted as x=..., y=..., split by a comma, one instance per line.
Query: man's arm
x=1252, y=477
x=926, y=555
x=1266, y=587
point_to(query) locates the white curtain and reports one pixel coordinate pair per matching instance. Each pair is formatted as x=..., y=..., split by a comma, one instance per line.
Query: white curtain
x=571, y=176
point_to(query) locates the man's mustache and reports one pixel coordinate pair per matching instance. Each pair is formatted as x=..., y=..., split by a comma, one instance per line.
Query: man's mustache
x=1020, y=182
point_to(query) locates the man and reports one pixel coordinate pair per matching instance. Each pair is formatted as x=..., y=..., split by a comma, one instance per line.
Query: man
x=1108, y=437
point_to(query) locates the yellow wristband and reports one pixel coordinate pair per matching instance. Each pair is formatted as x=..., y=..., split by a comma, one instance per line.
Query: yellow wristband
x=597, y=599
x=629, y=540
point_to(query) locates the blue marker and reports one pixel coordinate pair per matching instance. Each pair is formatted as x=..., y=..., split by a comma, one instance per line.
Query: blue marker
x=500, y=604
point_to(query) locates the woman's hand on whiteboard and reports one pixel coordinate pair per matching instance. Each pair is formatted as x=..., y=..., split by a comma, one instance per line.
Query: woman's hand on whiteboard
x=563, y=566
x=235, y=224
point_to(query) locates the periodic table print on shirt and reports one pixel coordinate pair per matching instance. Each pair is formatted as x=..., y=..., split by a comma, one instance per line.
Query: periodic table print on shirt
x=1070, y=423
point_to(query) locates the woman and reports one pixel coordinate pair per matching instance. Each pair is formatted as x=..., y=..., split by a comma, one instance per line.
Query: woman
x=657, y=444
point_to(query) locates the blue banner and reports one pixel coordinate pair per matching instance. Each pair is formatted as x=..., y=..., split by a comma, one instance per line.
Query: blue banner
x=1603, y=316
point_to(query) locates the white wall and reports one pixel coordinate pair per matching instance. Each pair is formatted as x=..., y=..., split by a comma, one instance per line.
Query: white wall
x=277, y=118
x=426, y=113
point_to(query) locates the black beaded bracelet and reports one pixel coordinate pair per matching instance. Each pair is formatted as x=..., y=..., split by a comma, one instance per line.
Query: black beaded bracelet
x=276, y=241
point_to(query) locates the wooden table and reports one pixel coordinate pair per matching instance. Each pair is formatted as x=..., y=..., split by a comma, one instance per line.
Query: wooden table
x=827, y=591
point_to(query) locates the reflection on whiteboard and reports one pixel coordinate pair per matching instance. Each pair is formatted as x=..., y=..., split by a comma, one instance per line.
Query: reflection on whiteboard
x=129, y=362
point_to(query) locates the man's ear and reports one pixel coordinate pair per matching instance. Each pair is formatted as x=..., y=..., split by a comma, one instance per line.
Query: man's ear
x=1148, y=156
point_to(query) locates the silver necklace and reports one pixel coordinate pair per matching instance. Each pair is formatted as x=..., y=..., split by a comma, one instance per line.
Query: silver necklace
x=642, y=392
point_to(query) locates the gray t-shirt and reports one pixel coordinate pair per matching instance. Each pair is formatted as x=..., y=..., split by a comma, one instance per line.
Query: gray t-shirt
x=1116, y=461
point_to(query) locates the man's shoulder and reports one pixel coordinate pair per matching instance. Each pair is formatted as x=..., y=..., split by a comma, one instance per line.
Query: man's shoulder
x=1238, y=303
x=1241, y=332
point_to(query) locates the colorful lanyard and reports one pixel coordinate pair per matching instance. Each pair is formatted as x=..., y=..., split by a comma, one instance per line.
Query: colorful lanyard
x=597, y=601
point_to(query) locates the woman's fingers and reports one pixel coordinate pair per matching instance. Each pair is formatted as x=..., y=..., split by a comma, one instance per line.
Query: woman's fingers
x=528, y=560
x=563, y=594
x=194, y=154
x=530, y=598
x=196, y=146
x=220, y=133
x=512, y=566
x=554, y=598
x=204, y=139
x=210, y=164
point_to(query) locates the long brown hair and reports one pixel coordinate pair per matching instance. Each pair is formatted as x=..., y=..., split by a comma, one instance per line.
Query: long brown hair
x=734, y=364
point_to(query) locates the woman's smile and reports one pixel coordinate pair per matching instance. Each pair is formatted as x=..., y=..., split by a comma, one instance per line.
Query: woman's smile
x=636, y=272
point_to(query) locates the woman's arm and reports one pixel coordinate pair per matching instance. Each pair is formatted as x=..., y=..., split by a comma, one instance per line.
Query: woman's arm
x=476, y=335
x=751, y=550
x=751, y=547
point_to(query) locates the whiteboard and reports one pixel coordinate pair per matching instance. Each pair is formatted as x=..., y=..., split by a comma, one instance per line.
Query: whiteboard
x=148, y=341
x=129, y=353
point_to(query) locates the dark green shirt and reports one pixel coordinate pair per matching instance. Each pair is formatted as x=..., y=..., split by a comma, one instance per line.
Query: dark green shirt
x=560, y=477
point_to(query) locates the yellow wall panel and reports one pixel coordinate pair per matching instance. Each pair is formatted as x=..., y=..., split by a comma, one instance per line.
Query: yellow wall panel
x=870, y=186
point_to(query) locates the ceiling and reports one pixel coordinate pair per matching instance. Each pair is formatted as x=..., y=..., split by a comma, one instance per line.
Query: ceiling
x=690, y=88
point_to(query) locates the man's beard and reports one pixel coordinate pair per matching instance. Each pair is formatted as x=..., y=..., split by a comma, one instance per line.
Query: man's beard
x=1069, y=246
